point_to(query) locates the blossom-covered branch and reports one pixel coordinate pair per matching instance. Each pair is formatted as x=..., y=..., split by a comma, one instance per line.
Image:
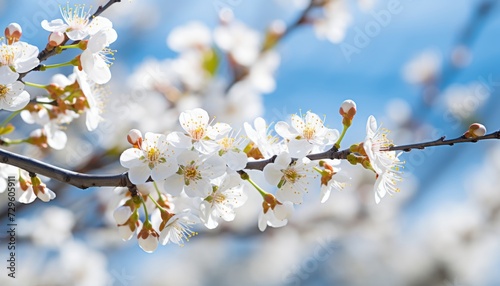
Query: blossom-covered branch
x=84, y=181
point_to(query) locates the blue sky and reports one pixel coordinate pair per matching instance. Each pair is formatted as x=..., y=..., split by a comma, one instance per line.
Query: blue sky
x=315, y=75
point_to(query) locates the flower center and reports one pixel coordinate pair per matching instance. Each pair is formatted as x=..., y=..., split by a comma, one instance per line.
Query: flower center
x=191, y=174
x=107, y=55
x=309, y=132
x=219, y=198
x=182, y=231
x=76, y=17
x=197, y=134
x=7, y=55
x=226, y=143
x=291, y=175
x=153, y=154
x=3, y=91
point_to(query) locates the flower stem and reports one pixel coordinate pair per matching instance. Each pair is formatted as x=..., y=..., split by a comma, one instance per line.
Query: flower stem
x=337, y=144
x=146, y=222
x=157, y=190
x=35, y=85
x=7, y=142
x=259, y=189
x=70, y=63
x=74, y=46
x=156, y=203
x=318, y=170
x=12, y=115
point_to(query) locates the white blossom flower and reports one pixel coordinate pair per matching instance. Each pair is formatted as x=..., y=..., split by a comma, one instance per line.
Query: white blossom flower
x=376, y=140
x=261, y=74
x=386, y=181
x=97, y=57
x=189, y=36
x=200, y=134
x=13, y=97
x=91, y=91
x=29, y=188
x=5, y=172
x=194, y=175
x=306, y=135
x=241, y=42
x=177, y=228
x=242, y=102
x=51, y=132
x=50, y=230
x=132, y=225
x=385, y=163
x=275, y=217
x=332, y=180
x=155, y=158
x=227, y=195
x=423, y=69
x=76, y=23
x=56, y=138
x=265, y=144
x=231, y=152
x=17, y=58
x=335, y=22
x=292, y=179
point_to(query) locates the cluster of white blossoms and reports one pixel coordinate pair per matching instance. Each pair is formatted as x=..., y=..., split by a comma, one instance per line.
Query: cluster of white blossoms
x=65, y=98
x=15, y=57
x=205, y=168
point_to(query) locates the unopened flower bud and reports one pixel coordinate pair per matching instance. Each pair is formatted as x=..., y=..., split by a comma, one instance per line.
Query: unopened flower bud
x=148, y=238
x=56, y=39
x=13, y=33
x=347, y=110
x=475, y=130
x=134, y=137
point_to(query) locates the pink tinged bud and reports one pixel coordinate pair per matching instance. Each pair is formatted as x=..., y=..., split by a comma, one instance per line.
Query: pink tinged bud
x=56, y=39
x=347, y=110
x=13, y=33
x=134, y=137
x=476, y=130
x=348, y=107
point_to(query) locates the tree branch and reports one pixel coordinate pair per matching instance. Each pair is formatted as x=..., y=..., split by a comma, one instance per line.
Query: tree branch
x=441, y=141
x=84, y=181
x=78, y=180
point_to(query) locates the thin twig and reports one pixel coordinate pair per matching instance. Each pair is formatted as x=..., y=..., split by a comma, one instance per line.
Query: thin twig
x=441, y=142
